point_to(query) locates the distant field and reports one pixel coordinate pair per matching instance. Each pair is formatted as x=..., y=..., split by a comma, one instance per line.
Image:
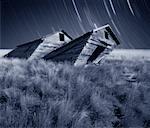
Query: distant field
x=4, y=52
x=138, y=54
x=43, y=94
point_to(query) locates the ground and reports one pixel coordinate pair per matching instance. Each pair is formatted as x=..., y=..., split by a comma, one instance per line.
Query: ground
x=42, y=94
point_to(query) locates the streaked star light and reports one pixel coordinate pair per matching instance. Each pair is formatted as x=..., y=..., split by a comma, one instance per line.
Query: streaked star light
x=25, y=20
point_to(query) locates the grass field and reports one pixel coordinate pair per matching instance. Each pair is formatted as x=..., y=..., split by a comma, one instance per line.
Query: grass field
x=43, y=94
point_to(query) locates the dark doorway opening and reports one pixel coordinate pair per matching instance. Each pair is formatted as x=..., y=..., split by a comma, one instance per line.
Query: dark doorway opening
x=96, y=53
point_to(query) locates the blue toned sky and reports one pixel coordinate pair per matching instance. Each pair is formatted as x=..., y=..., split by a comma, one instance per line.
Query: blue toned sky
x=26, y=20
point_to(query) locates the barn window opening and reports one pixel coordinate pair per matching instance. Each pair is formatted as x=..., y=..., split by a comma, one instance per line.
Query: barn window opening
x=61, y=37
x=106, y=35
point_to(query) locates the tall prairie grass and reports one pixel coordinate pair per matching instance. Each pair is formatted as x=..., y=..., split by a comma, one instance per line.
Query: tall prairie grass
x=43, y=94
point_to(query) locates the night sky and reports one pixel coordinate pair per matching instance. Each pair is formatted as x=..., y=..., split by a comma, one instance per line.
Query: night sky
x=26, y=20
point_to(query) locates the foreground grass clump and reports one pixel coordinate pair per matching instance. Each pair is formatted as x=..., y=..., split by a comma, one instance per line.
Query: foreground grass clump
x=48, y=95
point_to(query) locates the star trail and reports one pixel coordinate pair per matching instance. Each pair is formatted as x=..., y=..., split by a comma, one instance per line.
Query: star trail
x=27, y=20
x=76, y=10
x=112, y=6
x=130, y=7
